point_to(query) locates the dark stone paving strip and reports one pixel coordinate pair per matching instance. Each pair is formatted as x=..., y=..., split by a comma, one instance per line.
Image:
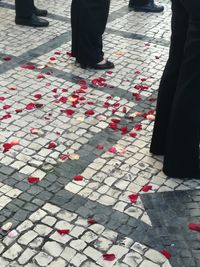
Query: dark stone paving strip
x=170, y=213
x=141, y=37
x=35, y=52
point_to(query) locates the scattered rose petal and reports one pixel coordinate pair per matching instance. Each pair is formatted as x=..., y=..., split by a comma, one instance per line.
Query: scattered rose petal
x=89, y=112
x=30, y=106
x=135, y=114
x=194, y=226
x=152, y=99
x=137, y=72
x=40, y=76
x=6, y=227
x=133, y=198
x=166, y=254
x=124, y=110
x=6, y=106
x=33, y=180
x=137, y=96
x=78, y=178
x=7, y=147
x=34, y=130
x=13, y=234
x=15, y=142
x=68, y=112
x=18, y=110
x=53, y=58
x=112, y=150
x=63, y=231
x=30, y=67
x=133, y=134
x=7, y=58
x=109, y=72
x=12, y=88
x=57, y=53
x=38, y=96
x=91, y=221
x=138, y=127
x=52, y=145
x=146, y=188
x=64, y=157
x=124, y=130
x=150, y=117
x=109, y=257
x=2, y=98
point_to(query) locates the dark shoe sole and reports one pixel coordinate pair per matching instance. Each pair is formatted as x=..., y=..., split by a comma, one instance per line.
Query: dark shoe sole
x=150, y=10
x=106, y=66
x=30, y=23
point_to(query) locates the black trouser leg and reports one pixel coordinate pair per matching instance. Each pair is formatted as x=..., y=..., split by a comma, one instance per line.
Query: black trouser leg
x=169, y=78
x=89, y=20
x=24, y=8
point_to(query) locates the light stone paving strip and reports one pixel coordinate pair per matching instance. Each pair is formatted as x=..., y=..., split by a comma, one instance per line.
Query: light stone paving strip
x=83, y=246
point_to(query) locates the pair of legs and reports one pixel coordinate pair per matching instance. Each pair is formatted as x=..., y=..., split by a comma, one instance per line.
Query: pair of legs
x=176, y=130
x=88, y=20
x=27, y=14
x=145, y=6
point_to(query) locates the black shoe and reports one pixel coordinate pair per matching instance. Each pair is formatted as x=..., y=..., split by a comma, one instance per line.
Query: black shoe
x=40, y=12
x=105, y=66
x=34, y=21
x=150, y=7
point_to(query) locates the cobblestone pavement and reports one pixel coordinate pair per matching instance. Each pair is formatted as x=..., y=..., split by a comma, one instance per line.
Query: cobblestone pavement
x=77, y=180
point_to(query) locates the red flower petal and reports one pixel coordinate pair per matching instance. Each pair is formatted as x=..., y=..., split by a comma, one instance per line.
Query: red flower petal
x=53, y=58
x=152, y=99
x=137, y=72
x=115, y=120
x=146, y=188
x=194, y=226
x=137, y=96
x=112, y=150
x=63, y=99
x=113, y=125
x=91, y=221
x=30, y=67
x=78, y=178
x=124, y=130
x=57, y=53
x=18, y=110
x=166, y=254
x=7, y=58
x=52, y=145
x=2, y=98
x=138, y=127
x=133, y=198
x=89, y=112
x=132, y=134
x=109, y=257
x=40, y=76
x=38, y=96
x=100, y=147
x=33, y=180
x=63, y=231
x=82, y=82
x=7, y=147
x=6, y=107
x=64, y=157
x=68, y=112
x=30, y=106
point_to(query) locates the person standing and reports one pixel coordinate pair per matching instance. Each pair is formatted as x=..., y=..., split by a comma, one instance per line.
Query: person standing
x=88, y=21
x=144, y=6
x=176, y=131
x=27, y=14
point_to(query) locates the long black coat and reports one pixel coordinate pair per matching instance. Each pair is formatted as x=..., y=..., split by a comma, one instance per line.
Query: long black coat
x=177, y=126
x=88, y=20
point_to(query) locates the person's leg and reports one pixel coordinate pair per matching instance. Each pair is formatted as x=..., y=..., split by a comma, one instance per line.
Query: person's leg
x=169, y=78
x=74, y=25
x=25, y=14
x=24, y=8
x=39, y=12
x=145, y=6
x=92, y=19
x=182, y=150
